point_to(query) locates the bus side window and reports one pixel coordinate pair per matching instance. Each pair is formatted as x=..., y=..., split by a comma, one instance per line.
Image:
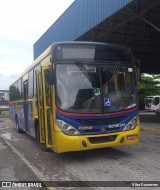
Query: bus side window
x=37, y=68
x=30, y=84
x=25, y=89
x=14, y=93
x=19, y=87
x=156, y=101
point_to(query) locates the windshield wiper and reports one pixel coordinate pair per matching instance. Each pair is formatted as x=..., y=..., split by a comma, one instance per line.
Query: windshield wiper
x=114, y=72
x=86, y=72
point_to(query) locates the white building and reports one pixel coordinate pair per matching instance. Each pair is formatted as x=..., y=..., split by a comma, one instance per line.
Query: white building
x=4, y=95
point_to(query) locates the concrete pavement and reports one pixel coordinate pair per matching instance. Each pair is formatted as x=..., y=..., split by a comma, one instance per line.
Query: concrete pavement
x=14, y=166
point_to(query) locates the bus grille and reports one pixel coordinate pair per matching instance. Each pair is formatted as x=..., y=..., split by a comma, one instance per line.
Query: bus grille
x=96, y=140
x=102, y=121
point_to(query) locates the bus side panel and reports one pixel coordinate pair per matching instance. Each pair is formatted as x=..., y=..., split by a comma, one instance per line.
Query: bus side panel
x=20, y=115
x=25, y=116
x=12, y=111
x=31, y=116
x=17, y=114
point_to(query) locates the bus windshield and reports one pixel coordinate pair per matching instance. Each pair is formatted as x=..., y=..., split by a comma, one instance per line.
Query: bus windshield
x=95, y=88
x=148, y=100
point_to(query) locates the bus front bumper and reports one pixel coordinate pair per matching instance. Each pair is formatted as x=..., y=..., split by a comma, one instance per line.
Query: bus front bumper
x=66, y=143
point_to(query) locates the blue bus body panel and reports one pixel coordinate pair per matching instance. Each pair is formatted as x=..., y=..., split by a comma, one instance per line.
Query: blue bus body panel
x=12, y=111
x=17, y=114
x=110, y=126
x=79, y=18
x=23, y=112
x=30, y=119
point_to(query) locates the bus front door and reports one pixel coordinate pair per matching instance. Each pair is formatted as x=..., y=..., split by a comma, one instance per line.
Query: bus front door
x=45, y=116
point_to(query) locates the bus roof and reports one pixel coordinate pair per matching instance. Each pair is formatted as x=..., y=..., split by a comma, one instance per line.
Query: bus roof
x=54, y=45
x=152, y=96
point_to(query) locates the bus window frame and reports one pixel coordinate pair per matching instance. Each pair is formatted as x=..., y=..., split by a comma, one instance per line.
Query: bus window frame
x=31, y=95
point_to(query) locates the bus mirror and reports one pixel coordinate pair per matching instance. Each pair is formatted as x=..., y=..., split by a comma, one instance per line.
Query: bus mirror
x=49, y=74
x=138, y=71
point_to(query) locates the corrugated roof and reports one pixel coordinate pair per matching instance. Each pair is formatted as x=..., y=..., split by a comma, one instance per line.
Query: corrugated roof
x=79, y=18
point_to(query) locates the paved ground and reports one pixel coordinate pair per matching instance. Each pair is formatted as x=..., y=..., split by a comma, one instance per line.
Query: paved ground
x=12, y=167
x=21, y=159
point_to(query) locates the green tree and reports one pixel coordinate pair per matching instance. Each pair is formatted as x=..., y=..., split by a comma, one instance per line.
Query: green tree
x=148, y=86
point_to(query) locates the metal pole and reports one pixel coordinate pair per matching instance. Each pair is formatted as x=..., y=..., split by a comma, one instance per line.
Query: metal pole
x=150, y=24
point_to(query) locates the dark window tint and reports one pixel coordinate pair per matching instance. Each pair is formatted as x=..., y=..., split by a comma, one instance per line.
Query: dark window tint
x=93, y=52
x=19, y=86
x=37, y=68
x=156, y=101
x=30, y=85
x=14, y=92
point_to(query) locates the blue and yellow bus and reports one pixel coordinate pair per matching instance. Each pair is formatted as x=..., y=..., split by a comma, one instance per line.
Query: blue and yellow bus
x=78, y=96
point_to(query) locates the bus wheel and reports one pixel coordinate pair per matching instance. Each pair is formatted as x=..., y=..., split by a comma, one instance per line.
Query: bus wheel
x=41, y=146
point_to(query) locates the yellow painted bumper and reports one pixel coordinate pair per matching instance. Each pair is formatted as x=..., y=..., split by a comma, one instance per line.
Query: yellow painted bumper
x=66, y=143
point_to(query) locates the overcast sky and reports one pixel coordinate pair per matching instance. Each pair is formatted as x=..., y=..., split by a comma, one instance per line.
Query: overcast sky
x=22, y=23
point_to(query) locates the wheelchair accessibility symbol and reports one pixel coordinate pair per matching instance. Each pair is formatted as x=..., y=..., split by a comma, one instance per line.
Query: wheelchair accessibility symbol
x=107, y=102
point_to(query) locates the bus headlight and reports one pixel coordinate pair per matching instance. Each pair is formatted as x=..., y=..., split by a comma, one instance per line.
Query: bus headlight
x=67, y=128
x=131, y=125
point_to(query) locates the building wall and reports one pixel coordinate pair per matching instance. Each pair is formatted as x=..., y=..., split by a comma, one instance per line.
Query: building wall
x=79, y=18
